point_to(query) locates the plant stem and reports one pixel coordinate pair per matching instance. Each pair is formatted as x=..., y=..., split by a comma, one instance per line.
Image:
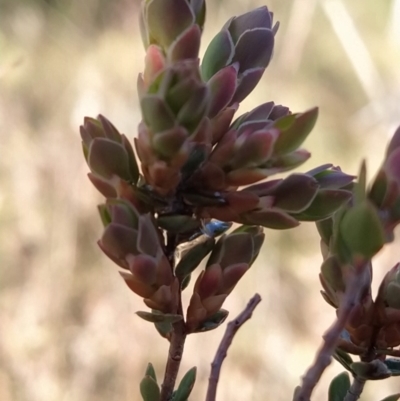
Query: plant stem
x=178, y=336
x=174, y=360
x=226, y=341
x=355, y=390
x=324, y=354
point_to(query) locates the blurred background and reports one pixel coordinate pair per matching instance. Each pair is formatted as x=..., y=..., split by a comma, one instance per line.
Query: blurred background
x=68, y=331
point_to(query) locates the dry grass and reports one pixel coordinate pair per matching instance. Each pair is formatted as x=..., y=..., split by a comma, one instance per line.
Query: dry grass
x=68, y=330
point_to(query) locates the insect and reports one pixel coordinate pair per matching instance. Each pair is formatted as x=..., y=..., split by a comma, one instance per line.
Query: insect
x=211, y=229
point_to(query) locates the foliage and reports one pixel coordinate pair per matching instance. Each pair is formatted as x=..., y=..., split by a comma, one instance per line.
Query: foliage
x=198, y=170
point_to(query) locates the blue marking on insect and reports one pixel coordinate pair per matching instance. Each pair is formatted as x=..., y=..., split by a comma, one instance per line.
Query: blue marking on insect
x=215, y=228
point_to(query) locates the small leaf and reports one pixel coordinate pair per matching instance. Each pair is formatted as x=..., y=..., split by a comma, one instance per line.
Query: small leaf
x=343, y=358
x=339, y=387
x=375, y=370
x=104, y=214
x=362, y=231
x=149, y=389
x=393, y=397
x=213, y=321
x=186, y=385
x=158, y=317
x=178, y=224
x=151, y=372
x=294, y=130
x=325, y=203
x=164, y=329
x=218, y=54
x=186, y=281
x=108, y=158
x=193, y=258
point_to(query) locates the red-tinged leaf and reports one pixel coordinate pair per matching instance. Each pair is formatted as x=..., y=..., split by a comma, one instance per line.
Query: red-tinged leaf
x=143, y=268
x=165, y=30
x=273, y=218
x=156, y=114
x=108, y=158
x=295, y=193
x=232, y=274
x=260, y=113
x=186, y=46
x=136, y=286
x=325, y=203
x=109, y=130
x=168, y=143
x=159, y=317
x=154, y=63
x=103, y=186
x=248, y=80
x=222, y=87
x=258, y=18
x=120, y=241
x=253, y=148
x=254, y=49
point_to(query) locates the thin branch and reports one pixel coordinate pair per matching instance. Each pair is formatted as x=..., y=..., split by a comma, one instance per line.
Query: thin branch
x=174, y=360
x=178, y=335
x=324, y=354
x=355, y=390
x=226, y=341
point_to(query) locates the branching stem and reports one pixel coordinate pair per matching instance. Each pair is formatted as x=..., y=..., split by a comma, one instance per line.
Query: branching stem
x=226, y=341
x=355, y=390
x=178, y=336
x=324, y=354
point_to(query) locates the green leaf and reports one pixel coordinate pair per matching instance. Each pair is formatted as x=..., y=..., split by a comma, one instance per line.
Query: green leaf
x=164, y=329
x=186, y=281
x=294, y=129
x=343, y=358
x=339, y=387
x=193, y=258
x=178, y=224
x=151, y=372
x=104, y=214
x=325, y=229
x=149, y=389
x=360, y=187
x=362, y=231
x=219, y=54
x=375, y=370
x=158, y=317
x=186, y=385
x=394, y=397
x=213, y=321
